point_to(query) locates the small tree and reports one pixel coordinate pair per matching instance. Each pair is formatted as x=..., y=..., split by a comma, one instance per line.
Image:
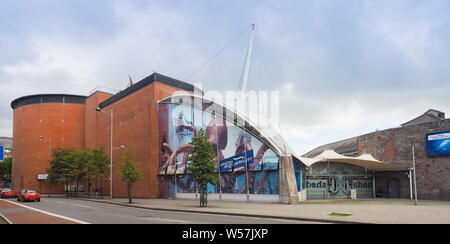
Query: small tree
x=61, y=168
x=71, y=164
x=79, y=161
x=98, y=165
x=6, y=169
x=129, y=170
x=202, y=166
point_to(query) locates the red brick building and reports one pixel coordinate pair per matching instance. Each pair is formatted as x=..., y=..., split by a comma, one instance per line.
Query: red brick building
x=43, y=122
x=134, y=117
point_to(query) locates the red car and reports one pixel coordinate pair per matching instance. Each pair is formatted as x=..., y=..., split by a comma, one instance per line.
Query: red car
x=29, y=195
x=8, y=193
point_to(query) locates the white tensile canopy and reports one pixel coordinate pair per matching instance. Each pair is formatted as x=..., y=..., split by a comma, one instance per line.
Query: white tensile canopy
x=365, y=160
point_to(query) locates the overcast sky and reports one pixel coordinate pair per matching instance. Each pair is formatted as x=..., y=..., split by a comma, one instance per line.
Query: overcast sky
x=343, y=68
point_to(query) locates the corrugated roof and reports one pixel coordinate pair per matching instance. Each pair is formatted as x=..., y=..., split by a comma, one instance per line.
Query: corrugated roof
x=428, y=116
x=344, y=147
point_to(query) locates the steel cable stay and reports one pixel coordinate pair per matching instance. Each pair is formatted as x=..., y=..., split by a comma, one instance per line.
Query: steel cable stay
x=219, y=52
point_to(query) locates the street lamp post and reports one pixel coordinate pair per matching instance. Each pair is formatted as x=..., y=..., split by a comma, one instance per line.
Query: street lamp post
x=111, y=147
x=414, y=169
x=110, y=113
x=49, y=140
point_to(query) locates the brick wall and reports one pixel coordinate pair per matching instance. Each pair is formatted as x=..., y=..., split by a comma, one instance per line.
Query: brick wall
x=135, y=123
x=63, y=123
x=395, y=146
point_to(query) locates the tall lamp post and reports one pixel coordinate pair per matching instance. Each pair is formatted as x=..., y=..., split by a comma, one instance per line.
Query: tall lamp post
x=414, y=170
x=49, y=140
x=110, y=113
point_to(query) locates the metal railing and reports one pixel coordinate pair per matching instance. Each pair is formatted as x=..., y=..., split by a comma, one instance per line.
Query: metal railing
x=85, y=195
x=104, y=89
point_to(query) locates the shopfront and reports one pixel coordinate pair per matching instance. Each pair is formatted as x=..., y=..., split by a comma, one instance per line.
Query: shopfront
x=332, y=175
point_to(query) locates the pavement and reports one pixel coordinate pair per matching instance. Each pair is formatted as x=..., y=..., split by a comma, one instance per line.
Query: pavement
x=371, y=211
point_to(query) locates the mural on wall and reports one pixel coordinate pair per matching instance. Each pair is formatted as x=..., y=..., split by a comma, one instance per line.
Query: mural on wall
x=238, y=154
x=300, y=174
x=335, y=180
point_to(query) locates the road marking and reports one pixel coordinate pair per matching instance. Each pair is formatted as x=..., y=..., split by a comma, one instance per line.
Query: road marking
x=78, y=205
x=51, y=214
x=58, y=202
x=167, y=220
x=72, y=204
x=5, y=219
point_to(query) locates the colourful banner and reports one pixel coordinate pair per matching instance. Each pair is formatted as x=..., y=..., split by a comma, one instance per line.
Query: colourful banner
x=236, y=162
x=438, y=143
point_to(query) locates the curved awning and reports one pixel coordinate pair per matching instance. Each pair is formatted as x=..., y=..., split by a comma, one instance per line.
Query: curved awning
x=365, y=160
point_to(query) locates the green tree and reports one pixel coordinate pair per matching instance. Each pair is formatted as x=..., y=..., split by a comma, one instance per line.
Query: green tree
x=202, y=166
x=61, y=168
x=6, y=169
x=79, y=160
x=129, y=170
x=98, y=164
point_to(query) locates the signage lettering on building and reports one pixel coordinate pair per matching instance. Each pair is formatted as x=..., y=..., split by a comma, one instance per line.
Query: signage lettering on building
x=237, y=162
x=340, y=187
x=439, y=136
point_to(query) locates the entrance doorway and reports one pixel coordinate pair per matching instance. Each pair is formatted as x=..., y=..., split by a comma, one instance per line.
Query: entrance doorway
x=393, y=188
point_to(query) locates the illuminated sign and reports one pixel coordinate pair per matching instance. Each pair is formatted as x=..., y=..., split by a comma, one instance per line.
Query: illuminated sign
x=438, y=143
x=2, y=153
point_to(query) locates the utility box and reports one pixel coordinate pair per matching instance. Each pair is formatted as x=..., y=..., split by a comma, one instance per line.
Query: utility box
x=353, y=193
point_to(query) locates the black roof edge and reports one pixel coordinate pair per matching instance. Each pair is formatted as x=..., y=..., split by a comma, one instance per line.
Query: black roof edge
x=166, y=80
x=17, y=101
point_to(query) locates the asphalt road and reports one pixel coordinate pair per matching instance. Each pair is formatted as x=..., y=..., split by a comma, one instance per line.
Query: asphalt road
x=103, y=213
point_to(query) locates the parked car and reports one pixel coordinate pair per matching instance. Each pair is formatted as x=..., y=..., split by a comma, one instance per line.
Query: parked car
x=8, y=193
x=29, y=195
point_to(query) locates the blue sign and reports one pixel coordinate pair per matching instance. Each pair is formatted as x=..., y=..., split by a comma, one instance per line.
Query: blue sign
x=2, y=154
x=438, y=143
x=237, y=162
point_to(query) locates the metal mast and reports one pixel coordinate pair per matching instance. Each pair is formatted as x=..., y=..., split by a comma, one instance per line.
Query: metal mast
x=248, y=59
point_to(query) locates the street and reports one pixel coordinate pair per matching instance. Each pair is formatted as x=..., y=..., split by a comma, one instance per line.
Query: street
x=103, y=213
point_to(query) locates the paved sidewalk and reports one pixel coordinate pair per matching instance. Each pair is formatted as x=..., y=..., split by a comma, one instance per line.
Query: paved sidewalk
x=377, y=211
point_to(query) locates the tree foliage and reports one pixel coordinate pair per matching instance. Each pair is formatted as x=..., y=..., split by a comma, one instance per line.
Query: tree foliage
x=129, y=170
x=98, y=165
x=202, y=166
x=6, y=169
x=68, y=164
x=60, y=166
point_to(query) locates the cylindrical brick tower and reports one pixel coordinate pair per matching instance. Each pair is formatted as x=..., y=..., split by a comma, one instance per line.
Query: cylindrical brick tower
x=42, y=123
